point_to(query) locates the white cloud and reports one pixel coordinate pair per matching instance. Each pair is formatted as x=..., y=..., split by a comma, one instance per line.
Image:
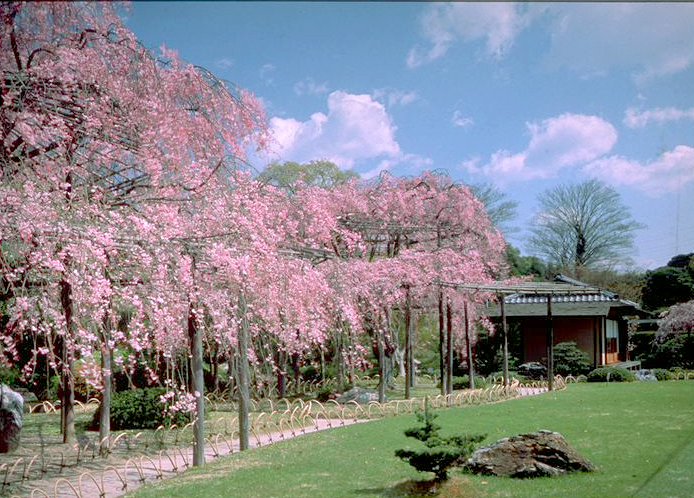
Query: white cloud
x=308, y=86
x=497, y=24
x=634, y=118
x=355, y=128
x=224, y=63
x=556, y=143
x=392, y=96
x=649, y=39
x=668, y=173
x=461, y=121
x=266, y=73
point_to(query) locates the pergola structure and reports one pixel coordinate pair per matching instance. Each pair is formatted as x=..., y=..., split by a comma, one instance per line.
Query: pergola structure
x=540, y=289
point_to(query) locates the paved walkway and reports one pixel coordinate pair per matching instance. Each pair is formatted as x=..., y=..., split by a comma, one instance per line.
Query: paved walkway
x=116, y=478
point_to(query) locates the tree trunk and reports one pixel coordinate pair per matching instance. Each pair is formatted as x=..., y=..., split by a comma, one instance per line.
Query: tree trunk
x=199, y=390
x=281, y=375
x=244, y=399
x=470, y=364
x=67, y=408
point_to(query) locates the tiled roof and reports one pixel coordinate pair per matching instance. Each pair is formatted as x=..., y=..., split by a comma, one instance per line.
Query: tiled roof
x=568, y=298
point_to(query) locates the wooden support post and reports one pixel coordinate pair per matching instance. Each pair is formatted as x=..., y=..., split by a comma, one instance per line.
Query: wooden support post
x=470, y=364
x=105, y=413
x=442, y=355
x=449, y=349
x=504, y=328
x=199, y=390
x=408, y=343
x=244, y=398
x=550, y=344
x=382, y=380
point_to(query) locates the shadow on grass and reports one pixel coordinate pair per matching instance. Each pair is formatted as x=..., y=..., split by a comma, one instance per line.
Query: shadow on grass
x=453, y=488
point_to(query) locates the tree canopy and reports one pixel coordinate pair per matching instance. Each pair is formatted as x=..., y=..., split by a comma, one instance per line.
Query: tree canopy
x=318, y=173
x=583, y=224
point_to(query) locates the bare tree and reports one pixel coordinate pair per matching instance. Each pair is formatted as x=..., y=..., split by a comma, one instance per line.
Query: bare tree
x=583, y=225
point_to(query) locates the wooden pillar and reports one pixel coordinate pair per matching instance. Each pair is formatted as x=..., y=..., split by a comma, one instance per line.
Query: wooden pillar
x=470, y=364
x=382, y=380
x=105, y=413
x=408, y=343
x=442, y=369
x=504, y=329
x=199, y=390
x=550, y=344
x=449, y=349
x=244, y=398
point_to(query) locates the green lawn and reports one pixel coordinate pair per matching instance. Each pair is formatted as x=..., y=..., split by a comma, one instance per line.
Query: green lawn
x=640, y=435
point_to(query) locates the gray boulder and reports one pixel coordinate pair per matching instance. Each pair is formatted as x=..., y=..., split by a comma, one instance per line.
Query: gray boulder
x=645, y=376
x=11, y=413
x=533, y=370
x=358, y=394
x=542, y=453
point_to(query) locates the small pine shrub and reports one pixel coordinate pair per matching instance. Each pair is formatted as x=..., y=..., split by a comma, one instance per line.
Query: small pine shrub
x=662, y=374
x=569, y=359
x=615, y=374
x=140, y=409
x=440, y=453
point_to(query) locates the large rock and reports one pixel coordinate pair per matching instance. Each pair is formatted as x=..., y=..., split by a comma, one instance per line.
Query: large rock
x=11, y=413
x=533, y=370
x=542, y=453
x=358, y=394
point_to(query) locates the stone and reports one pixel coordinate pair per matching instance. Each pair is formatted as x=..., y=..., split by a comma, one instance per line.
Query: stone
x=11, y=413
x=645, y=376
x=542, y=453
x=533, y=370
x=358, y=394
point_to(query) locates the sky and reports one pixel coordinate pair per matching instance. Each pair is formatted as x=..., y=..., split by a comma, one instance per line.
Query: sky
x=524, y=96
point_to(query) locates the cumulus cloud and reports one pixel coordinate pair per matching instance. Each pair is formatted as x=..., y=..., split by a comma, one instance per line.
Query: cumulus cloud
x=497, y=24
x=651, y=39
x=666, y=174
x=460, y=121
x=355, y=128
x=633, y=118
x=556, y=143
x=308, y=86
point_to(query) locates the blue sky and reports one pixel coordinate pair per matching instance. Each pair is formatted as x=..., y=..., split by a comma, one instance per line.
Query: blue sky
x=525, y=96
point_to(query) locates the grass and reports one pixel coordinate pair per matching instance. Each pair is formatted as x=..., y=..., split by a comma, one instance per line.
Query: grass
x=640, y=435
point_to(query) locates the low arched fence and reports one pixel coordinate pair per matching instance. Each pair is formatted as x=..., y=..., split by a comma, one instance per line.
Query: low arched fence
x=167, y=450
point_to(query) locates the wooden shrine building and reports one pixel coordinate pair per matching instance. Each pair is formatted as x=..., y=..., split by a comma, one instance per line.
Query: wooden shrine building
x=595, y=319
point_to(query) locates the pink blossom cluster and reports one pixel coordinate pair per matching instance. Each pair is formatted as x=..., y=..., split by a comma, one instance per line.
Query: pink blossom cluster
x=125, y=223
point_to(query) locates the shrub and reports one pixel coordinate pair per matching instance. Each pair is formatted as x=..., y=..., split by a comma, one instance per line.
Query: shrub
x=615, y=374
x=570, y=360
x=440, y=453
x=140, y=409
x=463, y=382
x=662, y=374
x=582, y=378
